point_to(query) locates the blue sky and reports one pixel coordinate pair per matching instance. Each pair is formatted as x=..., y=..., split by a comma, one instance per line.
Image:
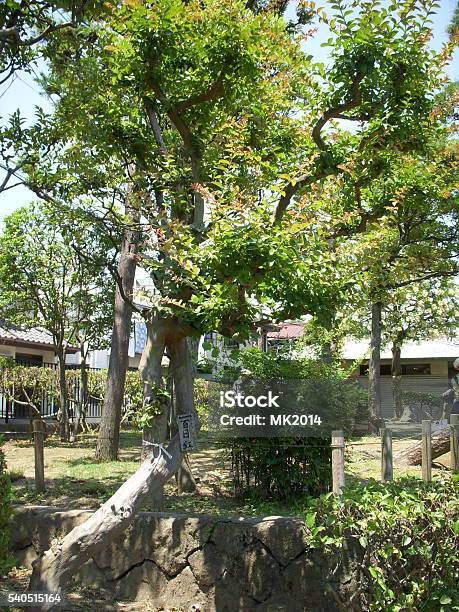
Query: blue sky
x=23, y=93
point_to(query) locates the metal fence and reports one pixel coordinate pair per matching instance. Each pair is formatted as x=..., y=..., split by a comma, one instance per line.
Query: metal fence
x=13, y=411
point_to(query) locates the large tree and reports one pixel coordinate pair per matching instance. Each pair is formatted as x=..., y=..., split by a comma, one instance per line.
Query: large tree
x=109, y=429
x=233, y=130
x=413, y=246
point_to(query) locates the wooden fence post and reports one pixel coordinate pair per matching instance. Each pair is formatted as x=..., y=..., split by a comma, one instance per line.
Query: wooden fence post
x=387, y=466
x=38, y=438
x=454, y=441
x=337, y=445
x=426, y=449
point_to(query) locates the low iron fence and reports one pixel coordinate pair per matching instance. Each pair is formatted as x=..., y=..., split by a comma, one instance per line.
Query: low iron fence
x=47, y=403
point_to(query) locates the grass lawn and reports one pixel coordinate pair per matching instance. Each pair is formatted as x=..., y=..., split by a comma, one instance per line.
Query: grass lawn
x=74, y=479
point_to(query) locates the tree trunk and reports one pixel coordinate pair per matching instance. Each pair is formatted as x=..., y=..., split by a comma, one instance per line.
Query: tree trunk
x=152, y=375
x=108, y=440
x=84, y=393
x=397, y=378
x=374, y=371
x=182, y=372
x=184, y=476
x=53, y=570
x=82, y=400
x=193, y=346
x=413, y=454
x=63, y=415
x=56, y=566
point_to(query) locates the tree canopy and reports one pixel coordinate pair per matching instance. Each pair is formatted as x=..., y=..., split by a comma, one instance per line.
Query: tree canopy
x=47, y=282
x=235, y=134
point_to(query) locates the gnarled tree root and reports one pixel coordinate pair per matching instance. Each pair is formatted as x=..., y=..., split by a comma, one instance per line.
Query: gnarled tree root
x=52, y=571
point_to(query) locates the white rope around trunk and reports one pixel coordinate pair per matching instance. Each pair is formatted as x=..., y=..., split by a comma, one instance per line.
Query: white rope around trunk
x=159, y=445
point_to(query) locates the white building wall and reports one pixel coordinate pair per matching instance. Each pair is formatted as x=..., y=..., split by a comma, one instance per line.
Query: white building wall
x=435, y=385
x=12, y=351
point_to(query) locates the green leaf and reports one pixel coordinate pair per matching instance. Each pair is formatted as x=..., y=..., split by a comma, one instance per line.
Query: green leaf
x=311, y=520
x=374, y=572
x=407, y=540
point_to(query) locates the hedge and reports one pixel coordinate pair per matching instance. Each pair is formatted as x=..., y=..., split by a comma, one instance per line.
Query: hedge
x=407, y=532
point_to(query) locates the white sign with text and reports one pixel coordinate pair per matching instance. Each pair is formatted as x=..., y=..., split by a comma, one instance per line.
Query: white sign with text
x=187, y=433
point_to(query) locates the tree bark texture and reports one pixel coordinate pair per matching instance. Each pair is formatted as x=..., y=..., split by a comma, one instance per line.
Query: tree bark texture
x=184, y=476
x=80, y=416
x=108, y=440
x=152, y=375
x=413, y=454
x=397, y=379
x=64, y=428
x=374, y=370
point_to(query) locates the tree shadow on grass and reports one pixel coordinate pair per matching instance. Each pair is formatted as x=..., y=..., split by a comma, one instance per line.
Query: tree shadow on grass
x=67, y=492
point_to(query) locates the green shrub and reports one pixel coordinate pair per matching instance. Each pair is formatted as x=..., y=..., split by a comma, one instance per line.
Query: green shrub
x=423, y=405
x=408, y=537
x=280, y=468
x=6, y=560
x=288, y=467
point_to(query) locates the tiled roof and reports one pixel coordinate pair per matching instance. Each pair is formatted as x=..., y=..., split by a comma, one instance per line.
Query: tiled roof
x=18, y=336
x=286, y=331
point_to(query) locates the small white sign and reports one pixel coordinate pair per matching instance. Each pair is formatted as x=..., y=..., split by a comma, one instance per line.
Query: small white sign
x=187, y=433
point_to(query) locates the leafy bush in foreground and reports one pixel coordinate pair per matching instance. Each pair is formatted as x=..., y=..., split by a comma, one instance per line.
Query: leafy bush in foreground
x=6, y=560
x=288, y=467
x=408, y=532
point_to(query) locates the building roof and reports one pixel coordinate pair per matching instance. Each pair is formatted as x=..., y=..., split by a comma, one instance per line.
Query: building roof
x=441, y=348
x=286, y=331
x=34, y=337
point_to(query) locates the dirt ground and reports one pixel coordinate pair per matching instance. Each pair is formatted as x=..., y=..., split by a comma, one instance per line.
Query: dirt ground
x=74, y=479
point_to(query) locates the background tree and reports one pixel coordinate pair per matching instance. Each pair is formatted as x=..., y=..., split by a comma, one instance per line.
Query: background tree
x=416, y=312
x=44, y=282
x=27, y=386
x=415, y=241
x=26, y=26
x=453, y=27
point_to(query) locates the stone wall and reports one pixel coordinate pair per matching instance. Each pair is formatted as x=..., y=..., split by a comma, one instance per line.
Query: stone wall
x=213, y=564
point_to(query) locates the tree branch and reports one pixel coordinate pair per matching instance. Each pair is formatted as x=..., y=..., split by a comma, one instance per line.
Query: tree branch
x=173, y=115
x=155, y=128
x=187, y=138
x=11, y=36
x=336, y=112
x=215, y=91
x=290, y=191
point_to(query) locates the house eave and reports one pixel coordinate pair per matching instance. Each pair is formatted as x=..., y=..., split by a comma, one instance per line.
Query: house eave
x=36, y=345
